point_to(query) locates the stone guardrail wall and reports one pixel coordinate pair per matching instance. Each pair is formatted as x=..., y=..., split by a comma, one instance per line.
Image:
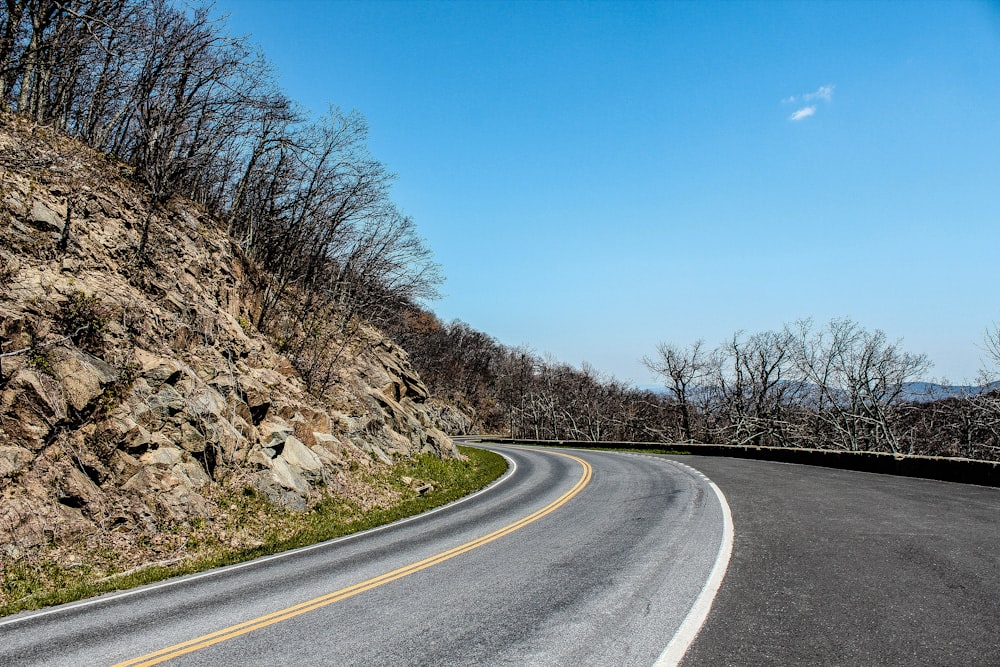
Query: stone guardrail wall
x=966, y=471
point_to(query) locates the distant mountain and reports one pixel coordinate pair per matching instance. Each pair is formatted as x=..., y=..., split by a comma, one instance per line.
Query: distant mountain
x=925, y=392
x=915, y=392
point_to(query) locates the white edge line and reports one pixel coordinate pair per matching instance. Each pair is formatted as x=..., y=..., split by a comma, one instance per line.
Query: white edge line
x=110, y=597
x=696, y=617
x=698, y=614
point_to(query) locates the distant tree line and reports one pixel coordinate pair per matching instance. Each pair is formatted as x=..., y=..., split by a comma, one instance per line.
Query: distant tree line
x=837, y=386
x=513, y=391
x=197, y=113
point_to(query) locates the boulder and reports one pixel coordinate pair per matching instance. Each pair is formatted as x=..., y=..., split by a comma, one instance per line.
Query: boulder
x=122, y=465
x=328, y=457
x=257, y=398
x=14, y=460
x=173, y=494
x=301, y=459
x=166, y=402
x=203, y=401
x=139, y=440
x=400, y=381
x=287, y=477
x=44, y=218
x=163, y=457
x=191, y=473
x=32, y=405
x=273, y=434
x=372, y=449
x=191, y=439
x=184, y=469
x=183, y=502
x=223, y=383
x=32, y=522
x=82, y=376
x=158, y=370
x=73, y=488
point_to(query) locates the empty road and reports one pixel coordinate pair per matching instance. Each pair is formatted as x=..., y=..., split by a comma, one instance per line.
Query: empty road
x=589, y=558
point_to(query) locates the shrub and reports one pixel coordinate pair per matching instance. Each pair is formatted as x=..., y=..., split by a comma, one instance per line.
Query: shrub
x=115, y=393
x=85, y=320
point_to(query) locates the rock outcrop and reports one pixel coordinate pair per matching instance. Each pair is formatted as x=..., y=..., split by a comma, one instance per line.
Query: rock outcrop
x=132, y=390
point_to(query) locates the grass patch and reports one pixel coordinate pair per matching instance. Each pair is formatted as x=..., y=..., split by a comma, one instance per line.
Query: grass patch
x=42, y=582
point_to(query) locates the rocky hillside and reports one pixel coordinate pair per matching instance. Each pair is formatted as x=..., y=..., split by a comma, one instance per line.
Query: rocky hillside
x=134, y=392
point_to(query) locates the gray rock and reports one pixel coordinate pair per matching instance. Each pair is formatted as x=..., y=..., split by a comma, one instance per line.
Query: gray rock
x=44, y=218
x=32, y=405
x=83, y=376
x=223, y=383
x=163, y=457
x=14, y=460
x=326, y=456
x=274, y=432
x=139, y=440
x=191, y=439
x=167, y=402
x=286, y=476
x=374, y=450
x=205, y=401
x=158, y=370
x=301, y=459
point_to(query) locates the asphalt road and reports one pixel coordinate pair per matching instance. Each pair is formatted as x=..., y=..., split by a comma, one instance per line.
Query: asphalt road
x=589, y=561
x=593, y=560
x=833, y=567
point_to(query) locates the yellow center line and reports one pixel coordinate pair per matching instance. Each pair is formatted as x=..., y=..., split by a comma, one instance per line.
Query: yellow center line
x=232, y=631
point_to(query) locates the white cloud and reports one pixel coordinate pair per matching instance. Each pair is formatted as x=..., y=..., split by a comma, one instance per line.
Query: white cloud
x=824, y=93
x=803, y=113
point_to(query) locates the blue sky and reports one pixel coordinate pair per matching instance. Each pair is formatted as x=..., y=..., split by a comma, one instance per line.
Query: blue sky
x=595, y=177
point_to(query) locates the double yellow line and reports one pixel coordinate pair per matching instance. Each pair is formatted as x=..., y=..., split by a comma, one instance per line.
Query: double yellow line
x=233, y=631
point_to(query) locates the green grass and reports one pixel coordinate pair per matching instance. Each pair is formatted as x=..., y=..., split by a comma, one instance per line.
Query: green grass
x=32, y=585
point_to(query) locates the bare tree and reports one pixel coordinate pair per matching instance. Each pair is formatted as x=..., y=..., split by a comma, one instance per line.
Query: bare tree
x=991, y=345
x=191, y=91
x=754, y=387
x=857, y=378
x=681, y=369
x=11, y=29
x=981, y=412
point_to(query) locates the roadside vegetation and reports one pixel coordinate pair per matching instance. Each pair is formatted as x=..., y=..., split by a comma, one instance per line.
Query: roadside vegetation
x=248, y=525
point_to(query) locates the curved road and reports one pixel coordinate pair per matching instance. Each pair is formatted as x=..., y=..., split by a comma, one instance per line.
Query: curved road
x=584, y=558
x=589, y=558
